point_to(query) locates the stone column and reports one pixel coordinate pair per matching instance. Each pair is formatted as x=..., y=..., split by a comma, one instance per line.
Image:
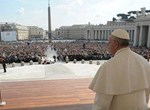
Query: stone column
x=92, y=34
x=99, y=34
x=102, y=37
x=140, y=38
x=148, y=39
x=136, y=36
x=132, y=35
x=104, y=34
x=107, y=35
x=86, y=34
x=95, y=34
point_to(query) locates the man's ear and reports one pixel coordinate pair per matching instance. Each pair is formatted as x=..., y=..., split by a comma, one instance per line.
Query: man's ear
x=116, y=43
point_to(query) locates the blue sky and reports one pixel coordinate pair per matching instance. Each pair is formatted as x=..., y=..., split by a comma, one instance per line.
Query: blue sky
x=65, y=12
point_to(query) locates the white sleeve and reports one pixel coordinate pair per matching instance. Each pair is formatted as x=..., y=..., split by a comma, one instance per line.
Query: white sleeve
x=102, y=102
x=147, y=94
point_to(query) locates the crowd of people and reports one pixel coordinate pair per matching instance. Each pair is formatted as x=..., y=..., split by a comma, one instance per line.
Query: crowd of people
x=90, y=50
x=23, y=51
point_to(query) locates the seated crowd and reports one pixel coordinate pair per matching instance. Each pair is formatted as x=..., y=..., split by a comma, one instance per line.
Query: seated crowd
x=90, y=50
x=17, y=52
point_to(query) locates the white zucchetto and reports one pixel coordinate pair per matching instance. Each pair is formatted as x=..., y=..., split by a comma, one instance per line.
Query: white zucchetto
x=120, y=33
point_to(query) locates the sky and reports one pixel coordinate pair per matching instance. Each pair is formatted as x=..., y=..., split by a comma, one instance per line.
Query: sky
x=65, y=12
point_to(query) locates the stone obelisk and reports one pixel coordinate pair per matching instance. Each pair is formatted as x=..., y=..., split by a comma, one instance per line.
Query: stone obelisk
x=49, y=22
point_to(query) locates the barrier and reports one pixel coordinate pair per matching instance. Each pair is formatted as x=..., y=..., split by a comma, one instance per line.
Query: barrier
x=22, y=63
x=31, y=62
x=67, y=59
x=13, y=64
x=74, y=61
x=90, y=62
x=82, y=61
x=98, y=62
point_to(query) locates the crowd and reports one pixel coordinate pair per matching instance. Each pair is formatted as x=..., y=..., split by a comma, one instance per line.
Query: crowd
x=17, y=52
x=90, y=50
x=23, y=51
x=83, y=50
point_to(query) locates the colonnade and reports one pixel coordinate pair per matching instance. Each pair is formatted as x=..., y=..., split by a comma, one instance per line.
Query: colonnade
x=104, y=34
x=142, y=36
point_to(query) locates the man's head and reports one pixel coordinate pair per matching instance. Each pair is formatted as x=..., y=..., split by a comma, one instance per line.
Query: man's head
x=118, y=39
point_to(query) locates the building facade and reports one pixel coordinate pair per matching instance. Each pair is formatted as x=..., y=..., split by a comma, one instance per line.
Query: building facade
x=142, y=30
x=36, y=32
x=22, y=32
x=13, y=32
x=139, y=30
x=94, y=32
x=16, y=32
x=101, y=32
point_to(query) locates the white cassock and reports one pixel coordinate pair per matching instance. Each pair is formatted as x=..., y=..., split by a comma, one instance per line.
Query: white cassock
x=122, y=83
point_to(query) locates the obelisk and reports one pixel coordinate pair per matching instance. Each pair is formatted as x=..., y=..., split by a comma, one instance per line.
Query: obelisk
x=49, y=22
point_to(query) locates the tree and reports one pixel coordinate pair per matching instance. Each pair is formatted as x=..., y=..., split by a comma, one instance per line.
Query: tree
x=131, y=18
x=147, y=11
x=114, y=19
x=123, y=16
